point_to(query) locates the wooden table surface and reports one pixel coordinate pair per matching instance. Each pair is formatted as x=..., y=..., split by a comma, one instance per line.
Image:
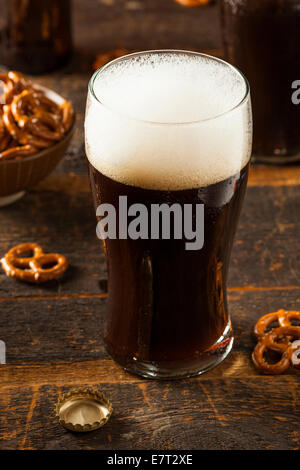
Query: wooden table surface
x=53, y=332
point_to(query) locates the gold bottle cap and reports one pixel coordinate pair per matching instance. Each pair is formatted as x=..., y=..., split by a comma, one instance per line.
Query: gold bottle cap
x=83, y=410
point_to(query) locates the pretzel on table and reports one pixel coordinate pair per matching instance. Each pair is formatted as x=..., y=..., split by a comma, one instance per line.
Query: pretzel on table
x=31, y=268
x=279, y=339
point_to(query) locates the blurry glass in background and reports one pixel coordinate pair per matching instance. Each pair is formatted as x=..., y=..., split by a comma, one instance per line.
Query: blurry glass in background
x=262, y=39
x=35, y=35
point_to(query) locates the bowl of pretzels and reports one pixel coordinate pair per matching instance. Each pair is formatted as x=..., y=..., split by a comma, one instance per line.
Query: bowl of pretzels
x=36, y=126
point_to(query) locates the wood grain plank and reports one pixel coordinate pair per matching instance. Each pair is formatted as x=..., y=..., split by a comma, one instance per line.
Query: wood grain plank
x=260, y=175
x=144, y=24
x=238, y=365
x=191, y=414
x=272, y=175
x=41, y=331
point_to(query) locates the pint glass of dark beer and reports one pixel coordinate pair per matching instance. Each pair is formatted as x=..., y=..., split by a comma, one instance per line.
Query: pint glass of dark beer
x=261, y=37
x=168, y=131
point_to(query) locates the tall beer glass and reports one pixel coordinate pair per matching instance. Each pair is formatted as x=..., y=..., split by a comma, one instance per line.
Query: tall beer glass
x=261, y=37
x=169, y=128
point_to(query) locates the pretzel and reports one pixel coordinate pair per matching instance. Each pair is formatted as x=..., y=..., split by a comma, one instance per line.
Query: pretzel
x=295, y=354
x=67, y=115
x=17, y=152
x=5, y=137
x=192, y=3
x=7, y=88
x=30, y=269
x=277, y=339
x=19, y=80
x=283, y=318
x=14, y=83
x=21, y=135
x=29, y=119
x=39, y=122
x=48, y=104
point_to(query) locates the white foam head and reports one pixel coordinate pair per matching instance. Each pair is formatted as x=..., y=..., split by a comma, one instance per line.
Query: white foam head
x=168, y=120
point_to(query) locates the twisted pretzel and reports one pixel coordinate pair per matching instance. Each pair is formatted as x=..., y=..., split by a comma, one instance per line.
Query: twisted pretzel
x=283, y=318
x=30, y=269
x=25, y=138
x=29, y=119
x=8, y=88
x=13, y=83
x=5, y=137
x=18, y=151
x=295, y=354
x=39, y=122
x=49, y=105
x=277, y=339
x=192, y=3
x=67, y=115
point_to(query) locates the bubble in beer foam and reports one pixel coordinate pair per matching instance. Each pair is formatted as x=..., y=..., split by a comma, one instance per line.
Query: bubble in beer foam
x=161, y=121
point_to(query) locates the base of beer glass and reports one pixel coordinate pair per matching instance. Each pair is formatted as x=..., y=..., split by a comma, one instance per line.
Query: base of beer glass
x=7, y=200
x=276, y=159
x=180, y=369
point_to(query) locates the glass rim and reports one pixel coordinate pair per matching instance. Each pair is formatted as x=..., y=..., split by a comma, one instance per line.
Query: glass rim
x=168, y=51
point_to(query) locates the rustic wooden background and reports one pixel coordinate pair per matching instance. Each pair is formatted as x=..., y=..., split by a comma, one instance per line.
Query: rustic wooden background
x=53, y=332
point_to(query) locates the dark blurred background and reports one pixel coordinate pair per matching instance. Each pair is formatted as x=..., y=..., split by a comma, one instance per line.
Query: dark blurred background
x=100, y=25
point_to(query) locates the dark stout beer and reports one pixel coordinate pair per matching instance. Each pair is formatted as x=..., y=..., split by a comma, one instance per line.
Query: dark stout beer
x=167, y=304
x=169, y=127
x=261, y=38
